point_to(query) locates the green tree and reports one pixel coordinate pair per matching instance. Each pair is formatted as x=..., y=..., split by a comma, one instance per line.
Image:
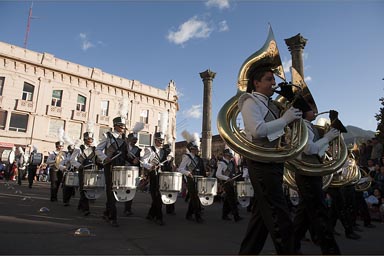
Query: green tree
x=380, y=122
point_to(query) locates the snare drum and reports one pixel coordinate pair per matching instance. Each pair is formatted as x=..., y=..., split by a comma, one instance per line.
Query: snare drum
x=36, y=158
x=93, y=179
x=170, y=185
x=124, y=182
x=71, y=179
x=8, y=156
x=244, y=189
x=206, y=189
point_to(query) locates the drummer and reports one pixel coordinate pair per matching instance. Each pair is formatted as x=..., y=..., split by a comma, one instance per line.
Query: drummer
x=84, y=158
x=226, y=173
x=133, y=159
x=192, y=165
x=68, y=190
x=112, y=152
x=152, y=158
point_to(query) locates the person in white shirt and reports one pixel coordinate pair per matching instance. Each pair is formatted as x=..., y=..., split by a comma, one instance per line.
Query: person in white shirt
x=226, y=174
x=56, y=170
x=264, y=125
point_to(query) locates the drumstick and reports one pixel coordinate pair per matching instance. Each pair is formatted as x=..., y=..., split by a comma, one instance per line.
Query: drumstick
x=231, y=179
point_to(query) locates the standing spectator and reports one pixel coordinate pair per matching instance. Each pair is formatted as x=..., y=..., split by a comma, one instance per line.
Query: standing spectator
x=377, y=150
x=363, y=158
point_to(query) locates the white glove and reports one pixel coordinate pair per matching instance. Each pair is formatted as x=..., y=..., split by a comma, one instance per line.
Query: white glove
x=292, y=114
x=333, y=133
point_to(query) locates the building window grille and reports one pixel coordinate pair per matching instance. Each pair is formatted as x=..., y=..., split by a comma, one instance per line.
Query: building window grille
x=104, y=107
x=102, y=131
x=28, y=91
x=54, y=127
x=81, y=100
x=2, y=80
x=3, y=119
x=144, y=116
x=144, y=139
x=57, y=96
x=18, y=123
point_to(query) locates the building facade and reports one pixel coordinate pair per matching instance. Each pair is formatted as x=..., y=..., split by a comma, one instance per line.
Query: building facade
x=41, y=95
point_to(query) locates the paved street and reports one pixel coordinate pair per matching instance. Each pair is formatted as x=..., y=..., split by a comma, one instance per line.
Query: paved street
x=26, y=230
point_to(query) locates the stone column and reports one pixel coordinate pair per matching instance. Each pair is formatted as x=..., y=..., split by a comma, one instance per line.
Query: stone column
x=296, y=46
x=206, y=143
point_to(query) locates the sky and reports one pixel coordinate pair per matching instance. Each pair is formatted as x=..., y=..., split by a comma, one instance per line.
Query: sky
x=159, y=41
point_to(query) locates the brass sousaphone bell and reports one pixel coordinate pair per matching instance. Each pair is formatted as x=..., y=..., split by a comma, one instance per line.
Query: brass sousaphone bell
x=226, y=120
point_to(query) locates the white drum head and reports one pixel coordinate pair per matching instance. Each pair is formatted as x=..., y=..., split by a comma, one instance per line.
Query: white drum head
x=206, y=200
x=93, y=193
x=124, y=194
x=244, y=201
x=169, y=197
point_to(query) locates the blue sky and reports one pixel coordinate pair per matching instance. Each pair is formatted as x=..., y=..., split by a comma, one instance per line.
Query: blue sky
x=159, y=41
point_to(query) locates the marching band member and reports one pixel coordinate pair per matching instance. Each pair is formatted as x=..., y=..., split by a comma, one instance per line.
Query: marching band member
x=56, y=171
x=192, y=165
x=21, y=164
x=168, y=166
x=84, y=157
x=151, y=161
x=264, y=126
x=225, y=173
x=68, y=191
x=133, y=159
x=32, y=168
x=312, y=213
x=112, y=152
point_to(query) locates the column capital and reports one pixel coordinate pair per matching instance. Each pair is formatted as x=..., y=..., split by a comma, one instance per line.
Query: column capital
x=296, y=42
x=207, y=75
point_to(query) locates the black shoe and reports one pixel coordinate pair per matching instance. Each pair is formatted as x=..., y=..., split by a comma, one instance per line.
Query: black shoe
x=171, y=213
x=353, y=236
x=114, y=223
x=53, y=199
x=238, y=218
x=199, y=220
x=128, y=213
x=357, y=229
x=189, y=217
x=86, y=213
x=369, y=225
x=66, y=204
x=226, y=218
x=105, y=217
x=30, y=186
x=149, y=217
x=159, y=222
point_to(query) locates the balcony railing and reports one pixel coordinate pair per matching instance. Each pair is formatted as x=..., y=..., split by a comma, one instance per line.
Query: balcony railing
x=24, y=105
x=54, y=111
x=103, y=119
x=79, y=115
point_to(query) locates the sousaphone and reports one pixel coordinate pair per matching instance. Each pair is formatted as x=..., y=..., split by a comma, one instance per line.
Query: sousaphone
x=227, y=123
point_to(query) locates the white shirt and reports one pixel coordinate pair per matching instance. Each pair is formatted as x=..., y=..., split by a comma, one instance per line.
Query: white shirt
x=185, y=163
x=149, y=156
x=254, y=108
x=105, y=143
x=221, y=168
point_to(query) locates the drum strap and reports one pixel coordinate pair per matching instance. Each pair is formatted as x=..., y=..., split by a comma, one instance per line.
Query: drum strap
x=195, y=165
x=156, y=155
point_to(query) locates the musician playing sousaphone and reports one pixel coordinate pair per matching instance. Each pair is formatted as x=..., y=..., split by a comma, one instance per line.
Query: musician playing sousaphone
x=226, y=173
x=192, y=166
x=133, y=158
x=81, y=159
x=56, y=170
x=112, y=152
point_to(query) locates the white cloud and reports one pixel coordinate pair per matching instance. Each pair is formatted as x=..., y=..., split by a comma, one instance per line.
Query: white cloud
x=287, y=66
x=221, y=4
x=194, y=112
x=308, y=78
x=192, y=28
x=85, y=43
x=223, y=26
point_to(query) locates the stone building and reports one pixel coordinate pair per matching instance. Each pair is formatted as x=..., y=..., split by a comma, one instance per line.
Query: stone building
x=39, y=94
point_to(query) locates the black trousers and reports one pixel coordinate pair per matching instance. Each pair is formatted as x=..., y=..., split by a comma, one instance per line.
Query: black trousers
x=312, y=214
x=110, y=206
x=270, y=213
x=56, y=179
x=31, y=173
x=83, y=201
x=155, y=212
x=338, y=210
x=230, y=200
x=362, y=208
x=194, y=206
